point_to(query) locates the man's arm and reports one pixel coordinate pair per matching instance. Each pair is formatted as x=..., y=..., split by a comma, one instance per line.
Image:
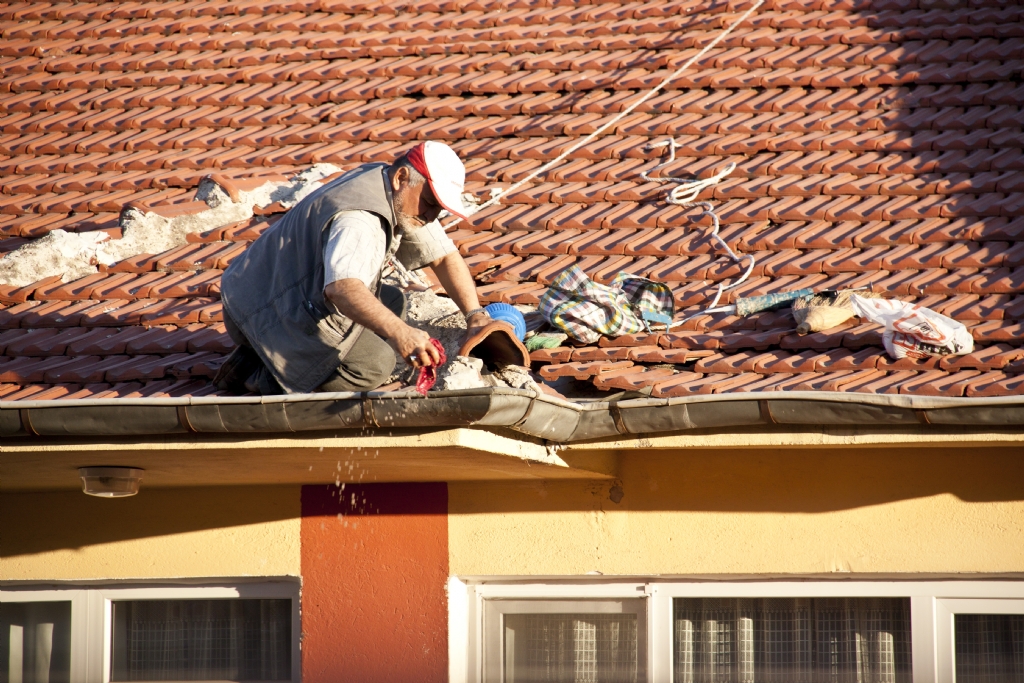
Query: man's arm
x=456, y=279
x=354, y=301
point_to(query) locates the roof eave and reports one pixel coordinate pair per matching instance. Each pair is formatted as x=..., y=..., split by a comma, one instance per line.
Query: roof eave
x=523, y=411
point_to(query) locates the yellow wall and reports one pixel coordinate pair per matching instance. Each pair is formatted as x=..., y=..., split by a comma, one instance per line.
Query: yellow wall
x=160, y=533
x=693, y=511
x=753, y=511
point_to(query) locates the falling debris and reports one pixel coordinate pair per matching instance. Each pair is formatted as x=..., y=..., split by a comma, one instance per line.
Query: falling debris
x=74, y=255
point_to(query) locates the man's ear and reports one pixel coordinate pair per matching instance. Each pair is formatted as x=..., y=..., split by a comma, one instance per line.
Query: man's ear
x=399, y=178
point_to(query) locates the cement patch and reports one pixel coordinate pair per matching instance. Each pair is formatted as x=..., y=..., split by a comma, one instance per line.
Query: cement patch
x=74, y=255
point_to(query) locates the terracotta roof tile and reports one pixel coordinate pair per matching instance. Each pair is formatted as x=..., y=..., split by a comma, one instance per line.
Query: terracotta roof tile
x=876, y=145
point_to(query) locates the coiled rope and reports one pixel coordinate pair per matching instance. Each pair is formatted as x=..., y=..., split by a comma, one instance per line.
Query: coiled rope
x=618, y=117
x=685, y=195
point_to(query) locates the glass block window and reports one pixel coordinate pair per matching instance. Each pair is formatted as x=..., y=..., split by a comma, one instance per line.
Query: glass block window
x=576, y=648
x=792, y=640
x=989, y=648
x=202, y=640
x=565, y=641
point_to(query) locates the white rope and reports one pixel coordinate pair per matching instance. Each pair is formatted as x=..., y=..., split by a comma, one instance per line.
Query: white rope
x=689, y=188
x=685, y=195
x=618, y=117
x=406, y=278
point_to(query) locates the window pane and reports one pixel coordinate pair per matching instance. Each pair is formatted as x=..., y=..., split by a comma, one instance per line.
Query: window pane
x=793, y=640
x=35, y=642
x=570, y=648
x=989, y=648
x=196, y=640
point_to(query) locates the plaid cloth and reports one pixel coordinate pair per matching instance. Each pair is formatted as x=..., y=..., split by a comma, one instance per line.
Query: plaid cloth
x=585, y=309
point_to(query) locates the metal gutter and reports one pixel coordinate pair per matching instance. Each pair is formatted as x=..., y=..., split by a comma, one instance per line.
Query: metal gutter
x=525, y=411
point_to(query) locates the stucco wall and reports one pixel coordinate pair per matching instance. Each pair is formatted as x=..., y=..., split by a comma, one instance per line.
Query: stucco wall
x=754, y=511
x=160, y=533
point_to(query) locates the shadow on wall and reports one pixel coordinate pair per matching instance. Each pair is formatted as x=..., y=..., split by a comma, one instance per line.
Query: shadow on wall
x=58, y=520
x=768, y=480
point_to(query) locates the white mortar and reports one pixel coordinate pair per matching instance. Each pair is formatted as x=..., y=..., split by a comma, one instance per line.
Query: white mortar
x=75, y=255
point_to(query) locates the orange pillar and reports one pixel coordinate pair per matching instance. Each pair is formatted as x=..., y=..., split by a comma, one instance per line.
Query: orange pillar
x=374, y=567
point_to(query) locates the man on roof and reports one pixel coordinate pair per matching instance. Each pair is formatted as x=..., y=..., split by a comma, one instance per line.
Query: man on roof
x=306, y=304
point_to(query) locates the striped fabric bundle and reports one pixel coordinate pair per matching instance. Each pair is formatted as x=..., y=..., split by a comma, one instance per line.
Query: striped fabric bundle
x=585, y=310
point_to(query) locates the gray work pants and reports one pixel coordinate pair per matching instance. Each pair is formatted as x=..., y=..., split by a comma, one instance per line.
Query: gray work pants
x=367, y=365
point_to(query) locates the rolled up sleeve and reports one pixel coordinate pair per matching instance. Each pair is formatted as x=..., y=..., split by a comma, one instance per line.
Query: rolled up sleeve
x=423, y=246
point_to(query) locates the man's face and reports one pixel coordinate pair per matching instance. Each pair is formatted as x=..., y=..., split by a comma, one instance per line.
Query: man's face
x=415, y=205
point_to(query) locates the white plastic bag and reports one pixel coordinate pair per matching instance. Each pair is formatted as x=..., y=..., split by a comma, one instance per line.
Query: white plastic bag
x=914, y=331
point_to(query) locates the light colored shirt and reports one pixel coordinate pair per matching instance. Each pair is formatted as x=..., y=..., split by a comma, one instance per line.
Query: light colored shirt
x=357, y=248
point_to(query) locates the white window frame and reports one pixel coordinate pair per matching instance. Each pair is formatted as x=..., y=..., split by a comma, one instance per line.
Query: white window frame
x=945, y=613
x=932, y=606
x=494, y=610
x=92, y=613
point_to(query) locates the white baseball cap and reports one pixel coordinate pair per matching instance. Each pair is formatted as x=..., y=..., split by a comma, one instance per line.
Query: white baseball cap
x=443, y=169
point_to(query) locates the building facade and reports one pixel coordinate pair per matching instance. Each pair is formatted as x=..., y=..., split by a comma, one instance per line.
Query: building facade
x=721, y=499
x=401, y=581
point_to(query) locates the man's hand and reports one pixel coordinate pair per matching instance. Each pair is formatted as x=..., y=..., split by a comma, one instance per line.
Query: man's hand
x=474, y=323
x=451, y=270
x=355, y=301
x=414, y=346
x=476, y=320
